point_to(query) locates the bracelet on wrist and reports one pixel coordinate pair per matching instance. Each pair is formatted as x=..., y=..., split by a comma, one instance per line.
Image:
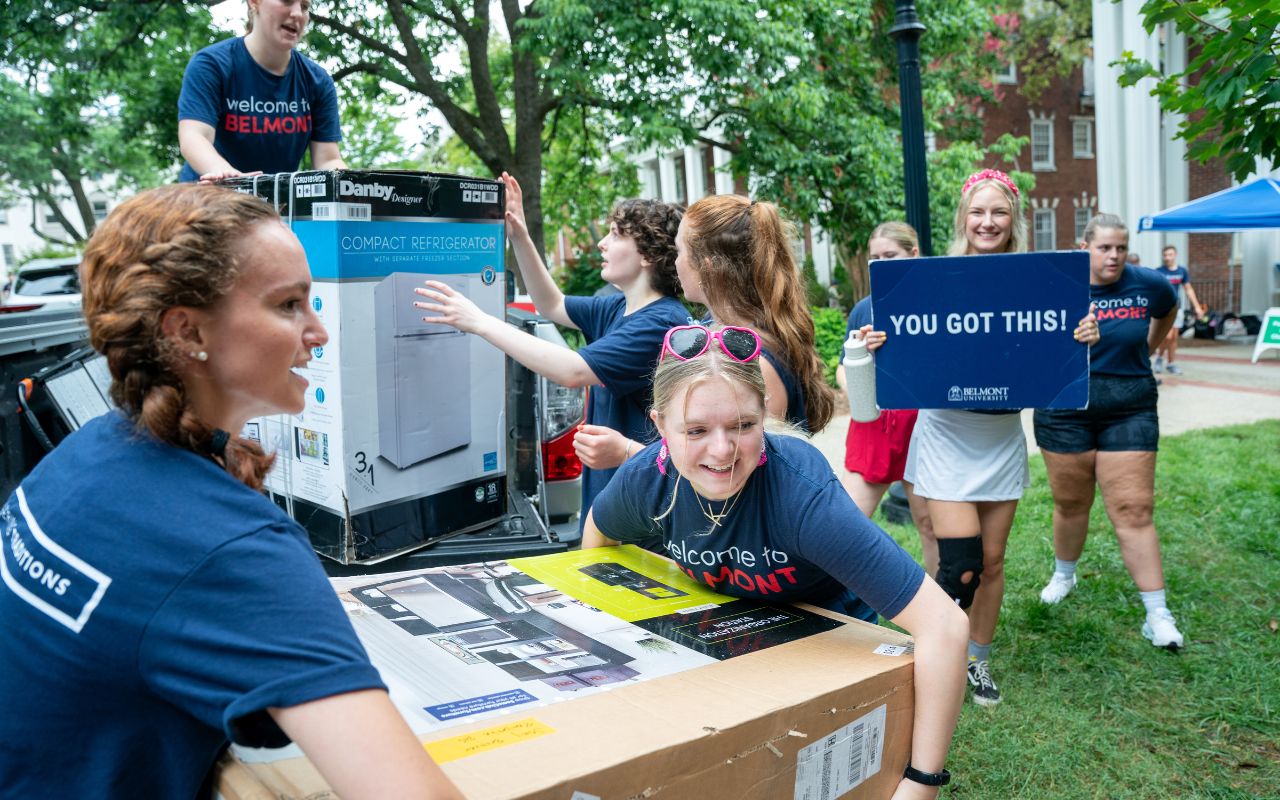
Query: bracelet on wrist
x=627, y=451
x=927, y=778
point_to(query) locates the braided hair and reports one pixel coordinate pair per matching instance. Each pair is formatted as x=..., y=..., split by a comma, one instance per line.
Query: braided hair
x=172, y=246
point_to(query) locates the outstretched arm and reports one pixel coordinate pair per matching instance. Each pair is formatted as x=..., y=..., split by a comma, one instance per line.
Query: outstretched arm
x=547, y=297
x=941, y=633
x=560, y=364
x=363, y=748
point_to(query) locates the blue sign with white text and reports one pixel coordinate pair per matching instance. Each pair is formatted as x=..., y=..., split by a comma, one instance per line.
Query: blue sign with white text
x=982, y=332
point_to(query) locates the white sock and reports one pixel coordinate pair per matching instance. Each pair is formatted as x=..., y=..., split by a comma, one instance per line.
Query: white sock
x=1065, y=568
x=1154, y=601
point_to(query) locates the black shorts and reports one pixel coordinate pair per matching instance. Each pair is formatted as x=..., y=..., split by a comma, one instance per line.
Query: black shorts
x=1121, y=417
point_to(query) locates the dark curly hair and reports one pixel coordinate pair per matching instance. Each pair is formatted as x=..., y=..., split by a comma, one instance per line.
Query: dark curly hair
x=171, y=246
x=652, y=225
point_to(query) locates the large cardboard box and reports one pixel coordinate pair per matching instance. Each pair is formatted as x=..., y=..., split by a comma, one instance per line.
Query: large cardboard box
x=679, y=693
x=402, y=441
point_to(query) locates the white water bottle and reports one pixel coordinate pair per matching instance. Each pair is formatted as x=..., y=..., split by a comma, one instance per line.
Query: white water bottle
x=860, y=379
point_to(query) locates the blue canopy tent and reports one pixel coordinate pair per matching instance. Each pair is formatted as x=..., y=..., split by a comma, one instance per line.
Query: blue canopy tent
x=1246, y=207
x=1250, y=206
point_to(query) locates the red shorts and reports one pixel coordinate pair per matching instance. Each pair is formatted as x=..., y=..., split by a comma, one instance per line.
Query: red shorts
x=878, y=450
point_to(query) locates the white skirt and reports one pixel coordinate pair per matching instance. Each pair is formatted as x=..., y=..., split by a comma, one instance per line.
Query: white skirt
x=964, y=456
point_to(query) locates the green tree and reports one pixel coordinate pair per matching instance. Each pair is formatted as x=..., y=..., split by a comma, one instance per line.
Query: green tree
x=1229, y=93
x=89, y=97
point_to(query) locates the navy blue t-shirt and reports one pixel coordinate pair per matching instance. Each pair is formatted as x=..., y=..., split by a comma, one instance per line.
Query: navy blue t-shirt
x=859, y=316
x=797, y=412
x=1125, y=310
x=154, y=607
x=261, y=121
x=622, y=350
x=793, y=533
x=1177, y=277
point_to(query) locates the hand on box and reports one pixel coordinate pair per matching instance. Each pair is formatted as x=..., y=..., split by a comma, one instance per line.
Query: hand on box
x=514, y=216
x=599, y=447
x=448, y=307
x=215, y=177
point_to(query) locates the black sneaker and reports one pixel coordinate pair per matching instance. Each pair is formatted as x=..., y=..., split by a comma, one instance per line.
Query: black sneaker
x=985, y=692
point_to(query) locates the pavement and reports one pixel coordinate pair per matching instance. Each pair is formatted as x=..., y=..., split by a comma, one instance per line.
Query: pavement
x=1219, y=387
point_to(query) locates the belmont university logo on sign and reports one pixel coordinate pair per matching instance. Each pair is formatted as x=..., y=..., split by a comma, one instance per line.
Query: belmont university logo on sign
x=971, y=395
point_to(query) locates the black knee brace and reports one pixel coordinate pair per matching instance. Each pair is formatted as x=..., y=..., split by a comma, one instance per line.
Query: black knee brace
x=955, y=558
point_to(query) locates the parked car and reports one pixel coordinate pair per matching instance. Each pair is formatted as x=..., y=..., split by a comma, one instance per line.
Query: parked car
x=47, y=281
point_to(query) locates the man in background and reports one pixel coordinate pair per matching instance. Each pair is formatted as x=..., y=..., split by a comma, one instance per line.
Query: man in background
x=1167, y=352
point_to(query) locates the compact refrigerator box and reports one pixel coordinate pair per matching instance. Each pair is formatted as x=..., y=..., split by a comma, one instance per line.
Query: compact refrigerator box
x=555, y=677
x=402, y=439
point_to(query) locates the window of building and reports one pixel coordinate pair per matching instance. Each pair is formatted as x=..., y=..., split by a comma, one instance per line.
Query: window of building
x=50, y=217
x=9, y=261
x=1041, y=144
x=1008, y=72
x=1082, y=138
x=1045, y=230
x=1083, y=215
x=653, y=179
x=99, y=210
x=682, y=183
x=4, y=216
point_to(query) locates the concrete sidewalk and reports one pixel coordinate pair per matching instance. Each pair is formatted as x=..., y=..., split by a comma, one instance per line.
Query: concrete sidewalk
x=1219, y=387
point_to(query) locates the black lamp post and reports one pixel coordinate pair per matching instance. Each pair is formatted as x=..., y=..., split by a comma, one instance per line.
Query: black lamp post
x=906, y=31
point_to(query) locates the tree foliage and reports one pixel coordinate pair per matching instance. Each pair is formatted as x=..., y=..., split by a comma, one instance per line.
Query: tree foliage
x=1229, y=93
x=1044, y=39
x=89, y=96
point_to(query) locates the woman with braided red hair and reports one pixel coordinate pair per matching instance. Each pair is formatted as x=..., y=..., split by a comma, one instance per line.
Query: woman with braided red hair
x=156, y=604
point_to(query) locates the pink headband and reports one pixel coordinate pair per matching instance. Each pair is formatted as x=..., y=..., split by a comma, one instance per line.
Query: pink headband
x=989, y=175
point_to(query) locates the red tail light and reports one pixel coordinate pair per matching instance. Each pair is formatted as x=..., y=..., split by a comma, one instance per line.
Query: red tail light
x=559, y=461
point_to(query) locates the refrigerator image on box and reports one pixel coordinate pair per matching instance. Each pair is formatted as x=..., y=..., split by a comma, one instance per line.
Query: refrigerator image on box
x=423, y=374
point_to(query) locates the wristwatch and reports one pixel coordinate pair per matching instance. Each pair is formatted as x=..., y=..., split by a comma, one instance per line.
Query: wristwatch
x=927, y=778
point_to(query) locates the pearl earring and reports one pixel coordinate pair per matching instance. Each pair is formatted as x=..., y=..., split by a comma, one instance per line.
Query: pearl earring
x=200, y=356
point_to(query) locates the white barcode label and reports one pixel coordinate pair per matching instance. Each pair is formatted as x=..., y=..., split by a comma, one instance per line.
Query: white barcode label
x=479, y=196
x=890, y=649
x=309, y=190
x=834, y=765
x=359, y=212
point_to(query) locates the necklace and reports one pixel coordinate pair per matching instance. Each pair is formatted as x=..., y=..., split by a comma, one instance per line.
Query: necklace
x=716, y=518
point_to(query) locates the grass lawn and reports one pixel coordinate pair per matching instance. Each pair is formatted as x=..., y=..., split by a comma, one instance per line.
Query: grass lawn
x=1091, y=709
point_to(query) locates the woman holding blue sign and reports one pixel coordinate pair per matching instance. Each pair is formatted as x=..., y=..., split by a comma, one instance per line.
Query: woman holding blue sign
x=761, y=515
x=971, y=466
x=1112, y=444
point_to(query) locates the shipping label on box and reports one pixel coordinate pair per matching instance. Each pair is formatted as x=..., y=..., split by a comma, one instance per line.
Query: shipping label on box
x=402, y=440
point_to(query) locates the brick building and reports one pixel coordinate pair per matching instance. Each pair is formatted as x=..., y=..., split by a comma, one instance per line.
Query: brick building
x=1060, y=125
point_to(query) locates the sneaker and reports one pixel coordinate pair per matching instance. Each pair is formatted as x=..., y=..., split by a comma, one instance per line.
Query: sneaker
x=1173, y=369
x=1058, y=588
x=985, y=692
x=1160, y=628
x=1157, y=364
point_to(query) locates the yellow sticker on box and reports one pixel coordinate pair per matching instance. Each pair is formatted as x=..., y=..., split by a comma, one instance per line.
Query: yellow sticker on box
x=469, y=744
